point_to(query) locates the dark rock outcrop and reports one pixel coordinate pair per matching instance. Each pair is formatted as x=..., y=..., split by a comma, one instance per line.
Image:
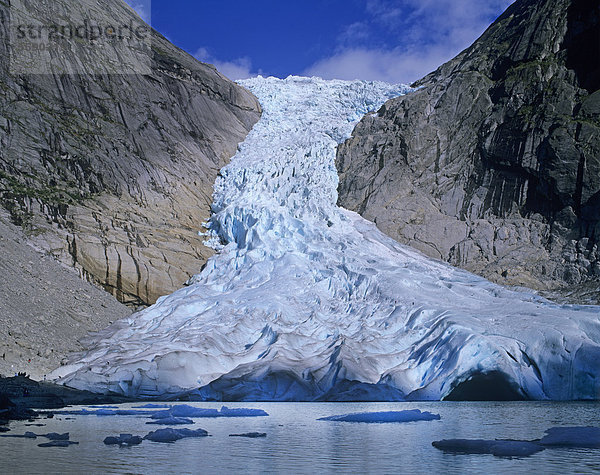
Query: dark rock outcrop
x=108, y=160
x=493, y=164
x=24, y=394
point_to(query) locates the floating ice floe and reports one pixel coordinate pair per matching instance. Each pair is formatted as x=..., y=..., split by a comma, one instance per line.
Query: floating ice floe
x=308, y=301
x=172, y=435
x=172, y=421
x=58, y=443
x=56, y=440
x=123, y=440
x=556, y=437
x=382, y=417
x=499, y=448
x=153, y=406
x=33, y=435
x=105, y=412
x=584, y=437
x=184, y=410
x=250, y=435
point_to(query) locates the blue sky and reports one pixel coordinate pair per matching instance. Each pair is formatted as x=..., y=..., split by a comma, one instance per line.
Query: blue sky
x=389, y=40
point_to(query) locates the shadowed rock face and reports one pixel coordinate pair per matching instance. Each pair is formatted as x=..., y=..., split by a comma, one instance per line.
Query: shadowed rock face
x=494, y=163
x=114, y=173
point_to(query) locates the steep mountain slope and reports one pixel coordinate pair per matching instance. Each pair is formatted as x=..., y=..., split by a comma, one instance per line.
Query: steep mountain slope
x=108, y=151
x=493, y=165
x=45, y=309
x=309, y=301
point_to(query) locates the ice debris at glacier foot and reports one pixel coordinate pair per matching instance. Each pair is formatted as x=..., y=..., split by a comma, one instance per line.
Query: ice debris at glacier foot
x=556, y=437
x=413, y=415
x=308, y=301
x=183, y=410
x=170, y=412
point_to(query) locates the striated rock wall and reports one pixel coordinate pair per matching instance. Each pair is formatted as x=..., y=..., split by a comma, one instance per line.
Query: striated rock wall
x=113, y=173
x=46, y=310
x=493, y=164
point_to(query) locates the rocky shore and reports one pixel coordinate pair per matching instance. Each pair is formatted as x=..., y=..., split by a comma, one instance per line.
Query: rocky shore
x=20, y=395
x=46, y=310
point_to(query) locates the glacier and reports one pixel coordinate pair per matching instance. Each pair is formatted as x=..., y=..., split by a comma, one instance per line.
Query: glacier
x=306, y=301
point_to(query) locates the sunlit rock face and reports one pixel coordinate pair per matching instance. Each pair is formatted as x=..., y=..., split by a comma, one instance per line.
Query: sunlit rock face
x=494, y=164
x=308, y=301
x=109, y=150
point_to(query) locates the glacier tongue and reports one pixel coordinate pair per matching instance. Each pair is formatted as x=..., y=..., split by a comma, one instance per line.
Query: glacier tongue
x=308, y=301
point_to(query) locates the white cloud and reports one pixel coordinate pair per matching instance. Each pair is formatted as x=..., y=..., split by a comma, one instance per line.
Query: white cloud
x=240, y=68
x=430, y=32
x=393, y=66
x=143, y=9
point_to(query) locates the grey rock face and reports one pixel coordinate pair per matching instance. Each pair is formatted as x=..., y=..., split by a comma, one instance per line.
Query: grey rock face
x=113, y=173
x=46, y=310
x=494, y=163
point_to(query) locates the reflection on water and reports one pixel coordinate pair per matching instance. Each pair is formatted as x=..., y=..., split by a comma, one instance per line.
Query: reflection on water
x=297, y=443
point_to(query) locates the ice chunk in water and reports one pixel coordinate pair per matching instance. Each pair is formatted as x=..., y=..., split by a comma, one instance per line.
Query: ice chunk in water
x=124, y=439
x=172, y=421
x=585, y=437
x=499, y=448
x=171, y=435
x=153, y=406
x=184, y=410
x=250, y=435
x=241, y=412
x=381, y=417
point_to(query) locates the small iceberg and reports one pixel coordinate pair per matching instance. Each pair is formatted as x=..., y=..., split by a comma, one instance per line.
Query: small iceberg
x=172, y=435
x=123, y=440
x=582, y=437
x=556, y=437
x=241, y=412
x=55, y=436
x=172, y=421
x=106, y=412
x=58, y=443
x=250, y=435
x=153, y=406
x=26, y=435
x=383, y=417
x=33, y=435
x=184, y=410
x=498, y=448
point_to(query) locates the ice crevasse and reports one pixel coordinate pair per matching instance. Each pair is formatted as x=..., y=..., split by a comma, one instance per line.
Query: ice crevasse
x=308, y=301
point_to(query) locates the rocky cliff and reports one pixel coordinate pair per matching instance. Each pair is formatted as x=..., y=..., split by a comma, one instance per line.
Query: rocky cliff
x=108, y=155
x=46, y=310
x=493, y=164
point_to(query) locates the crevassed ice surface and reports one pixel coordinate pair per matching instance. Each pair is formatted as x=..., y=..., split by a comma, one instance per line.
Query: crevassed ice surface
x=308, y=301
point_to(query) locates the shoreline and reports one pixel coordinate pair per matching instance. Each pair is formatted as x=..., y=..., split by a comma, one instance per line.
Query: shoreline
x=20, y=396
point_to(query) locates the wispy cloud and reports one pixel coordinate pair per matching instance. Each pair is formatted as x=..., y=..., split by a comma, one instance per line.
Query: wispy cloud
x=239, y=68
x=393, y=66
x=143, y=9
x=403, y=40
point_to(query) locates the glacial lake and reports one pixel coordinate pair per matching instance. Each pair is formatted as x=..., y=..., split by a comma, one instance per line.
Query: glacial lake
x=297, y=442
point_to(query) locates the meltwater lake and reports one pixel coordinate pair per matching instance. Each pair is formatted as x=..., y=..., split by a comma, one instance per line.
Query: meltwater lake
x=297, y=442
